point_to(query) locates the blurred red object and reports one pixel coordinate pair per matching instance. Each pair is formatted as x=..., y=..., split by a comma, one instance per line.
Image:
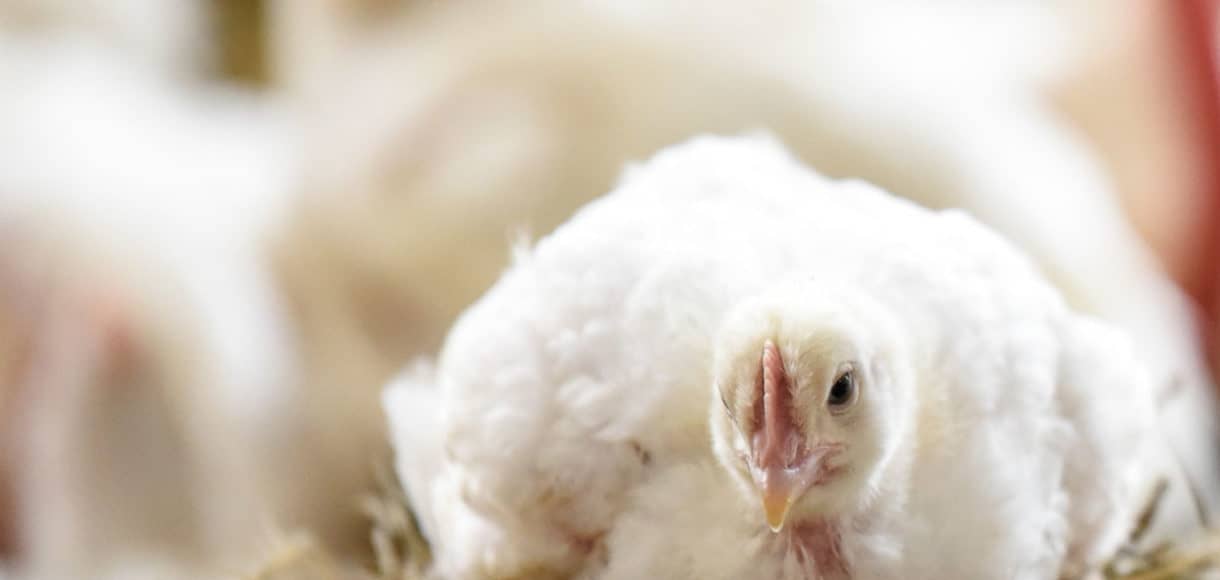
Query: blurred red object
x=1195, y=33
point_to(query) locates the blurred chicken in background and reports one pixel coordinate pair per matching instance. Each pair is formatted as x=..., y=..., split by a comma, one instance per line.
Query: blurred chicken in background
x=134, y=193
x=204, y=287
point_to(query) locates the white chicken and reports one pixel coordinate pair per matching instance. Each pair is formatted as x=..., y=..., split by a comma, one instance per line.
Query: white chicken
x=893, y=393
x=513, y=119
x=145, y=406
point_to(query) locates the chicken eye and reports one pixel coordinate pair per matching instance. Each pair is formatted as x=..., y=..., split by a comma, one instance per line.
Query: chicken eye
x=843, y=392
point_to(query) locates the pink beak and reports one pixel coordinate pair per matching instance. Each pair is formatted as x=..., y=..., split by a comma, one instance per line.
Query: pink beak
x=783, y=465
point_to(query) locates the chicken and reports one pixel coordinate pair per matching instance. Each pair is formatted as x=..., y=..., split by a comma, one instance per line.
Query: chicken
x=514, y=118
x=113, y=437
x=892, y=393
x=146, y=402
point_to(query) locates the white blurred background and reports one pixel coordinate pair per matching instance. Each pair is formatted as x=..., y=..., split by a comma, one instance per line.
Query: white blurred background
x=225, y=223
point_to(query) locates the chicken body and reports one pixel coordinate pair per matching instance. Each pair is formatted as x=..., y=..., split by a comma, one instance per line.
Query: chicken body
x=566, y=427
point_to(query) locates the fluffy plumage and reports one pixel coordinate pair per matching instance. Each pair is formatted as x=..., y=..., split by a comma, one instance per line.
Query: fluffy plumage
x=566, y=428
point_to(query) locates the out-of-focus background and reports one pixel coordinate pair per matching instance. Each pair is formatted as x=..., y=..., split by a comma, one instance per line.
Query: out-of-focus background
x=225, y=223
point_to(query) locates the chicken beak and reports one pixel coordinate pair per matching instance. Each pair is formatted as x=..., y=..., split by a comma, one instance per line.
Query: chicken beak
x=779, y=486
x=777, y=497
x=778, y=451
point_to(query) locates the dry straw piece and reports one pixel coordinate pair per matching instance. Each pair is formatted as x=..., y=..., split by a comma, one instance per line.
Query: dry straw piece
x=400, y=549
x=1172, y=560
